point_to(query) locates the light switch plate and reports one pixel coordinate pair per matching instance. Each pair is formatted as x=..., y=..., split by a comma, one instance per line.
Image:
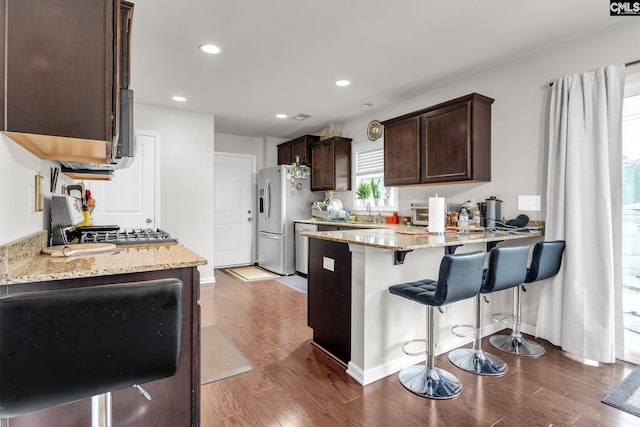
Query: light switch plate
x=528, y=203
x=328, y=263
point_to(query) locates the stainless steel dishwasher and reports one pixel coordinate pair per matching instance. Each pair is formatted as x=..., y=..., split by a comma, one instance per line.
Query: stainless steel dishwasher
x=302, y=247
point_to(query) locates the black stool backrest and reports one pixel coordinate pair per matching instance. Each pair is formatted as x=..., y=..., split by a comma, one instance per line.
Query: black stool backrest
x=507, y=268
x=460, y=277
x=545, y=261
x=59, y=346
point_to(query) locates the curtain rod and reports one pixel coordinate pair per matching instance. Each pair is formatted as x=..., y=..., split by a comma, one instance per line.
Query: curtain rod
x=628, y=64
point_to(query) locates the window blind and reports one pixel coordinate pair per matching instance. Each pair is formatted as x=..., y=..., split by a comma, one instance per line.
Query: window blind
x=370, y=162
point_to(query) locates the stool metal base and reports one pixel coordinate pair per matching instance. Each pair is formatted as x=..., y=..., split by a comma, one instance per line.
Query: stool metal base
x=434, y=383
x=478, y=362
x=516, y=344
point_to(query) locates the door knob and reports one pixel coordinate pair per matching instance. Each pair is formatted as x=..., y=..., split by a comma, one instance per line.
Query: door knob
x=149, y=221
x=249, y=219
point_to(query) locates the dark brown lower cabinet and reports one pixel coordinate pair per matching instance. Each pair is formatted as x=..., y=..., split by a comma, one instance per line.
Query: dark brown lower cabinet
x=175, y=401
x=329, y=296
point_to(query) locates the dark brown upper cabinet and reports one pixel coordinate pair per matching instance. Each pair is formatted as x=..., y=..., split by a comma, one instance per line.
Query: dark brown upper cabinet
x=331, y=164
x=65, y=62
x=402, y=151
x=449, y=142
x=300, y=147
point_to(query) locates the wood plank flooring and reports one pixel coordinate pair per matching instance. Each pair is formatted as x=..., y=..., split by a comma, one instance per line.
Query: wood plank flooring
x=295, y=384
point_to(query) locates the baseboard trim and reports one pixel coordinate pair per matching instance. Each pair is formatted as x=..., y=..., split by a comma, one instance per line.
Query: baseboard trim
x=207, y=280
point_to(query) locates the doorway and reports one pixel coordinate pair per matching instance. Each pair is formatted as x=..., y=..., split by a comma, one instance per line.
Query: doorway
x=234, y=210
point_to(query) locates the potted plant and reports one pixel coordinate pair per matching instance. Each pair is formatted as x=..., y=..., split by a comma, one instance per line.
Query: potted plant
x=376, y=191
x=363, y=191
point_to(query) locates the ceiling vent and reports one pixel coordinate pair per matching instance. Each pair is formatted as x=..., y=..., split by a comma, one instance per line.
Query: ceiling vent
x=300, y=117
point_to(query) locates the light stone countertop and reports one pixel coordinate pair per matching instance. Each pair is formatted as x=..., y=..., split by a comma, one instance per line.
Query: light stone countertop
x=388, y=238
x=359, y=224
x=25, y=266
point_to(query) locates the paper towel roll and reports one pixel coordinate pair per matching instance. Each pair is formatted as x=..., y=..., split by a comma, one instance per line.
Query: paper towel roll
x=436, y=214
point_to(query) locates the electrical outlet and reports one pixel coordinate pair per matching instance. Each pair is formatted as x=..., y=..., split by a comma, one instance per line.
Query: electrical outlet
x=528, y=203
x=328, y=263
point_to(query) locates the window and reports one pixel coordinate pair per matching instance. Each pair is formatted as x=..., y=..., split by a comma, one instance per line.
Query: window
x=368, y=159
x=631, y=218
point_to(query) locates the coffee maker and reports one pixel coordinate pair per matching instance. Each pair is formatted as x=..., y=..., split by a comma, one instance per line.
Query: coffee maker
x=490, y=212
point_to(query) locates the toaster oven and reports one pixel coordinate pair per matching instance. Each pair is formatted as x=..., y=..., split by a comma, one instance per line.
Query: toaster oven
x=419, y=213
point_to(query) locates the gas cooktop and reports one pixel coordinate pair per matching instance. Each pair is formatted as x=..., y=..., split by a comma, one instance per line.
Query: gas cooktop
x=127, y=237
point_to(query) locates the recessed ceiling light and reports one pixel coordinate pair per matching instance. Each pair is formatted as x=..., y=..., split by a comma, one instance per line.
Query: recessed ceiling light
x=342, y=83
x=211, y=49
x=366, y=105
x=281, y=116
x=179, y=98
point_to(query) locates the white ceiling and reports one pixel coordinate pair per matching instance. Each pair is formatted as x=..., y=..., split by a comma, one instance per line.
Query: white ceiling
x=282, y=56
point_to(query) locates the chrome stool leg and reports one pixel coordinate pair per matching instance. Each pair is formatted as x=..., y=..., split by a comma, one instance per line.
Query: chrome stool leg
x=101, y=412
x=475, y=360
x=427, y=380
x=516, y=343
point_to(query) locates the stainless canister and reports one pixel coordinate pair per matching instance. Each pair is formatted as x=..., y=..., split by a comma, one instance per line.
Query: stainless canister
x=493, y=213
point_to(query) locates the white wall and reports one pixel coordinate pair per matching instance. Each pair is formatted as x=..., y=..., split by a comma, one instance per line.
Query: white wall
x=18, y=169
x=519, y=115
x=227, y=143
x=271, y=150
x=186, y=176
x=265, y=149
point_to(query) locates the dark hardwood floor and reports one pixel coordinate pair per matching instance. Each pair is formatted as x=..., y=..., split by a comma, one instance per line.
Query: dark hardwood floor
x=295, y=384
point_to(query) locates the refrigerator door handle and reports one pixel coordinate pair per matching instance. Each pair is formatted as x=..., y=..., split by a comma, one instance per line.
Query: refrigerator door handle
x=271, y=237
x=267, y=196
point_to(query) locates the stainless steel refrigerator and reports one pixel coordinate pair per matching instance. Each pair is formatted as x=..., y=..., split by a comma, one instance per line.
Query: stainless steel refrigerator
x=281, y=199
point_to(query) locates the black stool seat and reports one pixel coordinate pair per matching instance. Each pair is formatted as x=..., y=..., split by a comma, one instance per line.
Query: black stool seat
x=422, y=291
x=460, y=277
x=60, y=346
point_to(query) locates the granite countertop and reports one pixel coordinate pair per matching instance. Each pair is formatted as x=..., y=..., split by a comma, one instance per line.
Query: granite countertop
x=354, y=224
x=389, y=238
x=22, y=262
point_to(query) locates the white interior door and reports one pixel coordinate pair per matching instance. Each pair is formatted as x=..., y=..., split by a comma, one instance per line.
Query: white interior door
x=234, y=218
x=131, y=198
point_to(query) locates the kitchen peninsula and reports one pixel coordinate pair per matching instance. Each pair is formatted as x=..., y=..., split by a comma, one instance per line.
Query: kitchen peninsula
x=351, y=311
x=175, y=400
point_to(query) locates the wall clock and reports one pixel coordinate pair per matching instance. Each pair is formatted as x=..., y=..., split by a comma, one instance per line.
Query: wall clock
x=374, y=130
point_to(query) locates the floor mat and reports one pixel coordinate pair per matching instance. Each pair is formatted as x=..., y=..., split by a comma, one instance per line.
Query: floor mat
x=250, y=273
x=219, y=357
x=626, y=395
x=295, y=282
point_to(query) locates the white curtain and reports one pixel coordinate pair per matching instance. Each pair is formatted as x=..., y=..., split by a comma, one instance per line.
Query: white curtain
x=580, y=307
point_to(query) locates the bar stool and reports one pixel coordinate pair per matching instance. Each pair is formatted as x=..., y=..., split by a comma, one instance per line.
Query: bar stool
x=460, y=277
x=59, y=346
x=507, y=268
x=545, y=263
